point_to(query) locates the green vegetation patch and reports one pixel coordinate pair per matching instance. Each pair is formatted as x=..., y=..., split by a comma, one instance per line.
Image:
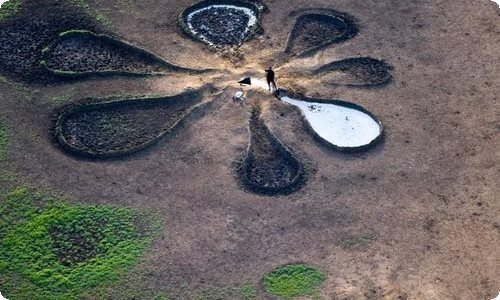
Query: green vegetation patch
x=63, y=98
x=54, y=250
x=293, y=281
x=9, y=8
x=4, y=140
x=248, y=291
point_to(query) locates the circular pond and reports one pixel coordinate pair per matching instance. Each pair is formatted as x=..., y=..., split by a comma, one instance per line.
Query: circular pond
x=221, y=23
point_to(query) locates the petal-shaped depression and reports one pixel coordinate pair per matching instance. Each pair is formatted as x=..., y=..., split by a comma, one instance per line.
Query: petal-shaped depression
x=315, y=31
x=81, y=53
x=221, y=23
x=269, y=168
x=342, y=125
x=358, y=71
x=117, y=128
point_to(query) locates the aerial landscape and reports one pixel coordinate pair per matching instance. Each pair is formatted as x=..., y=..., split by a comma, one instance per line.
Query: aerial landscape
x=249, y=149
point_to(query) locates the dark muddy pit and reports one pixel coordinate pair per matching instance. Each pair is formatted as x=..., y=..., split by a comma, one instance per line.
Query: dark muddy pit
x=118, y=128
x=359, y=71
x=269, y=167
x=315, y=31
x=85, y=52
x=25, y=35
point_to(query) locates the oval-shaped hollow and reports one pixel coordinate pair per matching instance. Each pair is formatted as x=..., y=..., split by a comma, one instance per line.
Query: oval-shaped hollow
x=118, y=128
x=343, y=125
x=269, y=168
x=356, y=71
x=221, y=23
x=78, y=53
x=315, y=31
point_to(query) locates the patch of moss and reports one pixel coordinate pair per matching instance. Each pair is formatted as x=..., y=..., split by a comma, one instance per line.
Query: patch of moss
x=293, y=281
x=50, y=249
x=62, y=98
x=9, y=8
x=161, y=297
x=4, y=140
x=248, y=291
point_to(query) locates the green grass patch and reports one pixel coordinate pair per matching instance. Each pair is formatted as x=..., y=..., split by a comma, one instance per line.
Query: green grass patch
x=9, y=8
x=64, y=98
x=248, y=291
x=4, y=140
x=294, y=281
x=50, y=249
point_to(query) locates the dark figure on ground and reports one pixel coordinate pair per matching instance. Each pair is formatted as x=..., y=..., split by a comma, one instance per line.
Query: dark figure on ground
x=270, y=79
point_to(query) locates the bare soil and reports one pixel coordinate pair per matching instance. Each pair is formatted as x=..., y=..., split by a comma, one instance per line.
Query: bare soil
x=414, y=218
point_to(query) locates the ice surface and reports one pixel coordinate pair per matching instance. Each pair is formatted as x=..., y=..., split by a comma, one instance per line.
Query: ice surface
x=339, y=125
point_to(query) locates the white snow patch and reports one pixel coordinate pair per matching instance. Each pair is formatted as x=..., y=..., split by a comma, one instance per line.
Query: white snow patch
x=498, y=297
x=1, y=297
x=339, y=125
x=2, y=2
x=260, y=83
x=498, y=3
x=251, y=22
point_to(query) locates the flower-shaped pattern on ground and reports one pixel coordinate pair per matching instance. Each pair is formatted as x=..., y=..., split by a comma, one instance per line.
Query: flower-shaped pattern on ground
x=118, y=127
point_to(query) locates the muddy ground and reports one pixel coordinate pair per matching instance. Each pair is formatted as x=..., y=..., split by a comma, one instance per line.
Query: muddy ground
x=417, y=217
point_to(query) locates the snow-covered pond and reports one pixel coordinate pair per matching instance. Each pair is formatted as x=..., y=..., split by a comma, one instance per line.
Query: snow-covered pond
x=339, y=125
x=221, y=24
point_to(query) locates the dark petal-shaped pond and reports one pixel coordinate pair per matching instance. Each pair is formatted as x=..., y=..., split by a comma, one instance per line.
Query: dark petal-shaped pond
x=358, y=71
x=80, y=53
x=116, y=128
x=269, y=167
x=315, y=31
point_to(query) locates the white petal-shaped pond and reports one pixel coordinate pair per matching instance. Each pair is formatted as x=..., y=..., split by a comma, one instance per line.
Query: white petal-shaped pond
x=339, y=124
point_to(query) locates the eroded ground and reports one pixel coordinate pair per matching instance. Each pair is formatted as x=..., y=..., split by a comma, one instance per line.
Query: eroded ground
x=414, y=218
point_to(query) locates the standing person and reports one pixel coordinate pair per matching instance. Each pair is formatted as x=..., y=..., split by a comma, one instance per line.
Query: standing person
x=270, y=78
